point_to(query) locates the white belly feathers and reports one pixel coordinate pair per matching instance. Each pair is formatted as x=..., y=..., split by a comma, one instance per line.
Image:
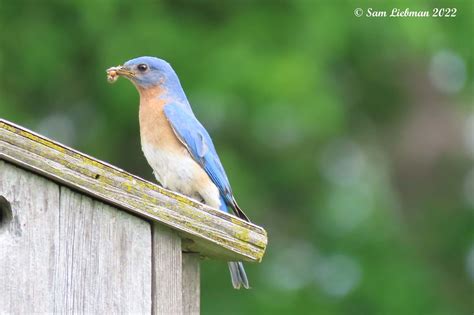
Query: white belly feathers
x=179, y=172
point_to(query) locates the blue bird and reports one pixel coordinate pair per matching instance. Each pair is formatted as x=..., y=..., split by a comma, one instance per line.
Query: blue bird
x=176, y=145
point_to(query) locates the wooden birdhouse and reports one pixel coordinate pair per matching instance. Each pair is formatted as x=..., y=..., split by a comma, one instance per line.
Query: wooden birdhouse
x=78, y=235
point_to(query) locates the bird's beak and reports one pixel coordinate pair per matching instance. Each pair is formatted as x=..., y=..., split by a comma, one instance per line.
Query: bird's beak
x=114, y=72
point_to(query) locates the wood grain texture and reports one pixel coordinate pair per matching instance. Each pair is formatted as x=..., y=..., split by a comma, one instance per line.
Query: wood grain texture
x=26, y=264
x=63, y=252
x=167, y=271
x=208, y=231
x=191, y=284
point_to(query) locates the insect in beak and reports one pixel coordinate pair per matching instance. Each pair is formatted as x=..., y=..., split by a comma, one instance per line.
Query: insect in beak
x=113, y=73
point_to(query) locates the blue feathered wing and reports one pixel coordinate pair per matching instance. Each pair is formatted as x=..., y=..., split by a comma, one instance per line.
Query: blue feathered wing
x=199, y=144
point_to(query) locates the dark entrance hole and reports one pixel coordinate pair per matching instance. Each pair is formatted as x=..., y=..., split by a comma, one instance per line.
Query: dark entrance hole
x=5, y=212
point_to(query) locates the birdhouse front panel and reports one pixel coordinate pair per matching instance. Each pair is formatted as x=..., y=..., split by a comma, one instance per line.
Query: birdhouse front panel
x=62, y=251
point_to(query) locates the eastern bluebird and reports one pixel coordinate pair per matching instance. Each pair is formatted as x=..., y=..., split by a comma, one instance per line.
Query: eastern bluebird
x=176, y=145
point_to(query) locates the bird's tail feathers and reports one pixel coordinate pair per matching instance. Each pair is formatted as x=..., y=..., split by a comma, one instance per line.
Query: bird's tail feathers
x=238, y=275
x=239, y=212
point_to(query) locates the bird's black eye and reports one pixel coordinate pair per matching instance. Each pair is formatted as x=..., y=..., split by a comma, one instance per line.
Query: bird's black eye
x=142, y=67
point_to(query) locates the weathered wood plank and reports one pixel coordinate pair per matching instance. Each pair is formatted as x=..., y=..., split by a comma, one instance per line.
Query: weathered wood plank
x=62, y=252
x=104, y=256
x=26, y=264
x=167, y=271
x=212, y=232
x=191, y=284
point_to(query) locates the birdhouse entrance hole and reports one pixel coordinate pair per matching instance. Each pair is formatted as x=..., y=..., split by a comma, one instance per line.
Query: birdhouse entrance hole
x=5, y=213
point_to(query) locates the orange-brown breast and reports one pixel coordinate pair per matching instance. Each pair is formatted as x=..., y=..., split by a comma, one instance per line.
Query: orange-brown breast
x=154, y=127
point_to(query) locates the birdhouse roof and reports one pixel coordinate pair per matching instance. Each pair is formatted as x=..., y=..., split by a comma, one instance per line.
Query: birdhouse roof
x=208, y=231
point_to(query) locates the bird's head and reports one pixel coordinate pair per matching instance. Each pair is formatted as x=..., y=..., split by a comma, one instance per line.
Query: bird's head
x=144, y=72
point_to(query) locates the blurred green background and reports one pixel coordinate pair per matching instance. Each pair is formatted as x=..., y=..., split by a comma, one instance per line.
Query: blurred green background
x=350, y=139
